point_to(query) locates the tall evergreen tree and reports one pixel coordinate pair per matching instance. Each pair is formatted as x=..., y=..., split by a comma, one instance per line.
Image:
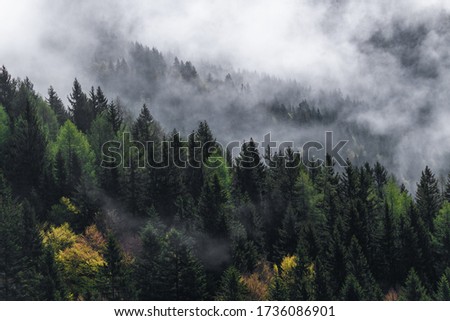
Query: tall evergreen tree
x=7, y=88
x=116, y=272
x=250, y=171
x=81, y=109
x=26, y=152
x=231, y=286
x=413, y=289
x=428, y=198
x=443, y=289
x=182, y=275
x=57, y=106
x=114, y=114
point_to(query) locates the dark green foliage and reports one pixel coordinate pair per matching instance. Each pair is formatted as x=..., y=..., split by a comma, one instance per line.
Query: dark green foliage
x=357, y=268
x=413, y=289
x=231, y=287
x=443, y=289
x=250, y=171
x=428, y=198
x=26, y=152
x=7, y=88
x=57, y=106
x=351, y=234
x=352, y=290
x=117, y=272
x=114, y=115
x=81, y=109
x=182, y=274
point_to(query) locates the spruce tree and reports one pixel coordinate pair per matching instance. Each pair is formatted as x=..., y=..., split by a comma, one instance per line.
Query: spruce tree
x=231, y=287
x=116, y=272
x=57, y=106
x=250, y=171
x=26, y=152
x=428, y=198
x=149, y=265
x=182, y=274
x=413, y=290
x=443, y=289
x=7, y=88
x=352, y=290
x=81, y=109
x=356, y=265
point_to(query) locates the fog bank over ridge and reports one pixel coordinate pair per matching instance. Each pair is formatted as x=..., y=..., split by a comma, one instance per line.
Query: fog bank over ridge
x=393, y=57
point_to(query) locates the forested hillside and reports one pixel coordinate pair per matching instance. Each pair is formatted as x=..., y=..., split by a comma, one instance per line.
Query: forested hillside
x=71, y=229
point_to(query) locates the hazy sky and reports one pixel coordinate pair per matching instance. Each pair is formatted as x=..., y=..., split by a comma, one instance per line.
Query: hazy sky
x=311, y=40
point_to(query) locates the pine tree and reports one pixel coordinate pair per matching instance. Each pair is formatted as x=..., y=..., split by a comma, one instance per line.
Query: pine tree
x=389, y=246
x=26, y=153
x=149, y=265
x=447, y=189
x=211, y=208
x=288, y=234
x=428, y=198
x=443, y=289
x=7, y=88
x=114, y=114
x=250, y=171
x=206, y=139
x=144, y=129
x=57, y=106
x=194, y=171
x=278, y=291
x=11, y=260
x=231, y=286
x=116, y=272
x=356, y=265
x=352, y=290
x=182, y=274
x=441, y=237
x=81, y=109
x=102, y=101
x=413, y=289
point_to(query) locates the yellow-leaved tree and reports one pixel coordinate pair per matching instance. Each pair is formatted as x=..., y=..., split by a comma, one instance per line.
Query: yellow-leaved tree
x=79, y=257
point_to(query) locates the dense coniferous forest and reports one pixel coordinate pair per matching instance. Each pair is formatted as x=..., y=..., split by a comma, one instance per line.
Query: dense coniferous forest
x=71, y=229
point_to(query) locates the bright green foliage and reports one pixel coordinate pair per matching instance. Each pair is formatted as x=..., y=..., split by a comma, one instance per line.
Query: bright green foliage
x=397, y=201
x=441, y=239
x=306, y=199
x=76, y=152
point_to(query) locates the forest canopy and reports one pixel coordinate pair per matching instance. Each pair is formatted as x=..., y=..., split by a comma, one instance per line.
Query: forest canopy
x=71, y=229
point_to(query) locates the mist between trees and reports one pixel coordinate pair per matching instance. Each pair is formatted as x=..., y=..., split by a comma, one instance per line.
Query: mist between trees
x=192, y=152
x=71, y=229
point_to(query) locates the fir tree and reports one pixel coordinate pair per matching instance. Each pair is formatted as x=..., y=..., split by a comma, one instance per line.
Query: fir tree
x=57, y=106
x=82, y=111
x=231, y=286
x=428, y=198
x=413, y=289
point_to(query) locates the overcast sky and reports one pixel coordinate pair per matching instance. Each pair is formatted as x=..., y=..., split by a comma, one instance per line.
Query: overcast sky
x=312, y=40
